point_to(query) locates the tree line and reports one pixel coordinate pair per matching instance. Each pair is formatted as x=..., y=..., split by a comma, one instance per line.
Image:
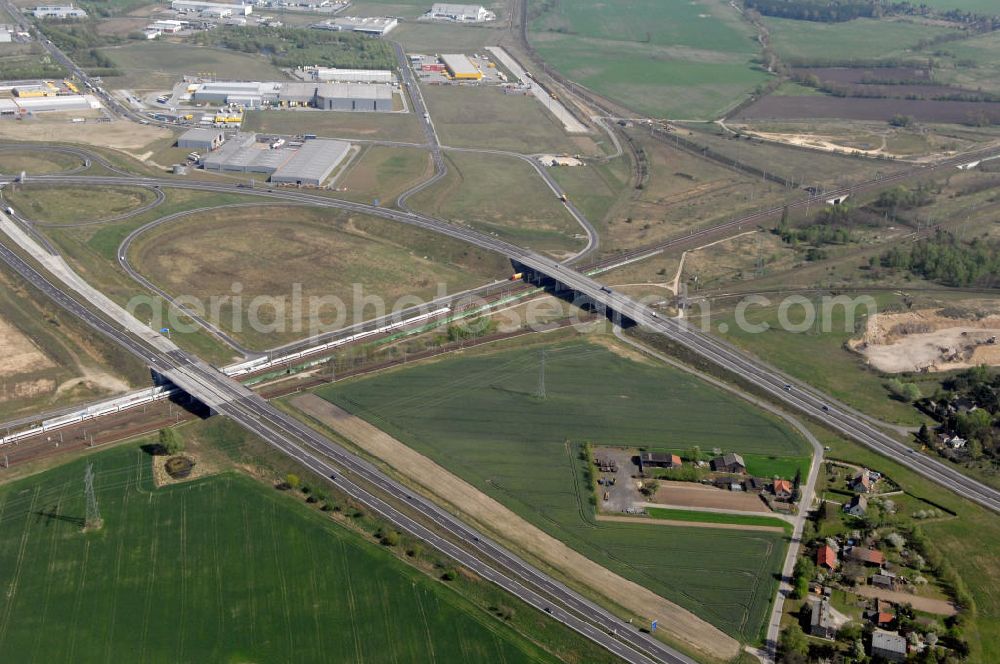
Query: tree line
x=81, y=42
x=837, y=11
x=826, y=11
x=296, y=47
x=945, y=260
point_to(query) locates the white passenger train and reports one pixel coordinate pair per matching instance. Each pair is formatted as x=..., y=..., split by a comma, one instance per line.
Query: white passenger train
x=164, y=392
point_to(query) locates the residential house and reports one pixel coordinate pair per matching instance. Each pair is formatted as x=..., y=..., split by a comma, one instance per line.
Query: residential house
x=858, y=506
x=782, y=489
x=888, y=645
x=862, y=482
x=884, y=580
x=658, y=460
x=881, y=614
x=728, y=463
x=867, y=556
x=826, y=557
x=755, y=484
x=953, y=441
x=821, y=623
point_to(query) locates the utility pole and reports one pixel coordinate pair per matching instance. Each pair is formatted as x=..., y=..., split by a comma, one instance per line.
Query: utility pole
x=759, y=270
x=540, y=393
x=93, y=519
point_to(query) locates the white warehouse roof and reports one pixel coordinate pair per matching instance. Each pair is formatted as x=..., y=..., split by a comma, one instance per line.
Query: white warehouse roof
x=353, y=91
x=351, y=75
x=199, y=6
x=313, y=162
x=459, y=64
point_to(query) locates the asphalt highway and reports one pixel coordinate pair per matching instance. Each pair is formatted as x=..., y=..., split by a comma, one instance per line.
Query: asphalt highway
x=821, y=407
x=478, y=553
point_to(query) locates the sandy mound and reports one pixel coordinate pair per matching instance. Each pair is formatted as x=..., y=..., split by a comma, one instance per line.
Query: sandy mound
x=929, y=340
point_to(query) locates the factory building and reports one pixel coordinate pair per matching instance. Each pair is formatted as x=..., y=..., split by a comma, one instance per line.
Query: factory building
x=312, y=163
x=58, y=11
x=328, y=74
x=460, y=13
x=168, y=26
x=308, y=164
x=374, y=26
x=24, y=105
x=461, y=67
x=201, y=139
x=251, y=94
x=353, y=97
x=326, y=96
x=218, y=9
x=42, y=89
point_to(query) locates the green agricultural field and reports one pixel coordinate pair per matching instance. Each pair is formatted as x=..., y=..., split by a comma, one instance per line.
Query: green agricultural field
x=67, y=205
x=504, y=196
x=861, y=39
x=38, y=163
x=716, y=517
x=383, y=173
x=271, y=251
x=220, y=569
x=687, y=60
x=477, y=415
x=158, y=65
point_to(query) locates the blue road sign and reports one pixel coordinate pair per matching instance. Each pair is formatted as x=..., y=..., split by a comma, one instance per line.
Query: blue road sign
x=164, y=330
x=652, y=626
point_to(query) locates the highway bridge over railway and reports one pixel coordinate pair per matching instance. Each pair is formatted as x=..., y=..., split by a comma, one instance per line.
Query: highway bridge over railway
x=586, y=289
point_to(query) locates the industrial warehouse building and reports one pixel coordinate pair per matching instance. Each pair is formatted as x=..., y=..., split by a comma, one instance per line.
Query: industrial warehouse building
x=312, y=163
x=219, y=9
x=369, y=25
x=460, y=13
x=307, y=164
x=326, y=96
x=22, y=105
x=461, y=67
x=58, y=11
x=201, y=139
x=353, y=97
x=329, y=74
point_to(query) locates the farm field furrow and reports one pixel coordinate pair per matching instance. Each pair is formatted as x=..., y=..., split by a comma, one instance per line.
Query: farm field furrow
x=215, y=569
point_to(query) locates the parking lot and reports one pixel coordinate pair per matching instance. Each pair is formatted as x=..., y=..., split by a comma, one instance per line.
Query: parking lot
x=429, y=69
x=623, y=494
